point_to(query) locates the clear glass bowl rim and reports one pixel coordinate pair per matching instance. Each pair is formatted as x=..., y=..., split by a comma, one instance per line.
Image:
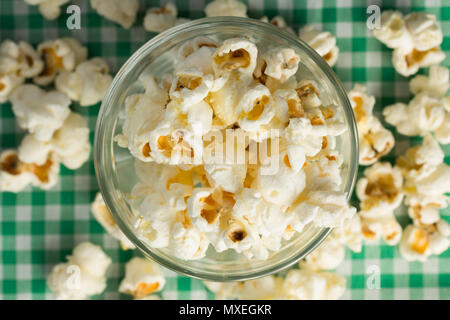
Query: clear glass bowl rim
x=102, y=167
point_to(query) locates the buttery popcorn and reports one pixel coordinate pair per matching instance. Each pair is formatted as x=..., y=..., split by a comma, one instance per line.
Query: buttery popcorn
x=69, y=144
x=329, y=255
x=105, y=218
x=142, y=278
x=15, y=175
x=375, y=141
x=415, y=38
x=226, y=8
x=428, y=110
x=321, y=41
x=233, y=153
x=59, y=55
x=50, y=9
x=121, y=12
x=426, y=176
x=313, y=285
x=420, y=242
x=87, y=83
x=17, y=62
x=39, y=112
x=380, y=188
x=160, y=19
x=82, y=276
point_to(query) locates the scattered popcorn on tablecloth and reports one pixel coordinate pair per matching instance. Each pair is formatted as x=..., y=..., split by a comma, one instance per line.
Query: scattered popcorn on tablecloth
x=142, y=278
x=415, y=38
x=119, y=11
x=84, y=274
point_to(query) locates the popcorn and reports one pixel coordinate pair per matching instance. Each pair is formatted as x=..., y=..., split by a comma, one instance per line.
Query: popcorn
x=423, y=169
x=15, y=175
x=82, y=276
x=226, y=8
x=425, y=210
x=301, y=132
x=87, y=84
x=393, y=32
x=50, y=9
x=415, y=39
x=255, y=108
x=40, y=112
x=105, y=218
x=174, y=146
x=350, y=233
x=224, y=101
x=283, y=186
x=59, y=55
x=427, y=111
x=160, y=200
x=193, y=192
x=418, y=243
x=323, y=172
x=142, y=278
x=121, y=12
x=321, y=41
x=425, y=32
x=408, y=63
x=281, y=64
x=329, y=255
x=187, y=243
x=374, y=140
x=32, y=150
x=21, y=57
x=161, y=19
x=278, y=21
x=442, y=134
x=17, y=62
x=235, y=54
x=325, y=209
x=378, y=224
x=190, y=86
x=71, y=142
x=435, y=84
x=375, y=143
x=228, y=177
x=308, y=93
x=381, y=188
x=197, y=53
x=90, y=258
x=380, y=192
x=362, y=104
x=311, y=285
x=143, y=114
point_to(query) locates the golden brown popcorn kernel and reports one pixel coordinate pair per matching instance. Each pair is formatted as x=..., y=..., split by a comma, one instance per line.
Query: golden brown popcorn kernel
x=146, y=150
x=189, y=82
x=12, y=165
x=295, y=108
x=233, y=60
x=143, y=289
x=420, y=241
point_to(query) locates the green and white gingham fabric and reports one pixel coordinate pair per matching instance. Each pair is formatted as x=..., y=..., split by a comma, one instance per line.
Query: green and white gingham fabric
x=40, y=228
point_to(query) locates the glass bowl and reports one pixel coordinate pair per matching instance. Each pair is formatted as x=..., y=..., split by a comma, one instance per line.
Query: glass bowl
x=115, y=166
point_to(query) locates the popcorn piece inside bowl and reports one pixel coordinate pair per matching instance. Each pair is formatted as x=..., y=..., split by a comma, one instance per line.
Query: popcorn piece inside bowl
x=232, y=152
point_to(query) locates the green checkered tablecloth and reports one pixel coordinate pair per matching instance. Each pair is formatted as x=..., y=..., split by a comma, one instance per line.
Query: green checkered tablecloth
x=39, y=228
